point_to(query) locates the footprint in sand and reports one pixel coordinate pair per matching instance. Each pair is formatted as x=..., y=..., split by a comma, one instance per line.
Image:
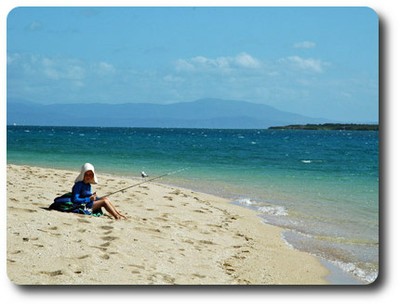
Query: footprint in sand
x=28, y=239
x=196, y=275
x=199, y=211
x=52, y=273
x=176, y=192
x=244, y=236
x=83, y=220
x=207, y=242
x=83, y=257
x=137, y=266
x=163, y=219
x=52, y=228
x=161, y=277
x=109, y=238
x=228, y=268
x=105, y=256
x=106, y=227
x=16, y=252
x=188, y=241
x=105, y=245
x=23, y=209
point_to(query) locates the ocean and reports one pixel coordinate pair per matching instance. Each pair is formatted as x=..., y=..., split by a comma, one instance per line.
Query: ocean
x=321, y=187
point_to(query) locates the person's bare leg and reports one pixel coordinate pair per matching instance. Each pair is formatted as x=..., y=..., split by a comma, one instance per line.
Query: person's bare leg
x=108, y=206
x=114, y=208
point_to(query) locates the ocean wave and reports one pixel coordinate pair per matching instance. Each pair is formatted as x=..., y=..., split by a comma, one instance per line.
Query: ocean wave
x=309, y=161
x=273, y=210
x=265, y=209
x=362, y=271
x=362, y=274
x=245, y=202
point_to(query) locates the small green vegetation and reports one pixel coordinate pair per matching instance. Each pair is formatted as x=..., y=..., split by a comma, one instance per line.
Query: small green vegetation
x=329, y=127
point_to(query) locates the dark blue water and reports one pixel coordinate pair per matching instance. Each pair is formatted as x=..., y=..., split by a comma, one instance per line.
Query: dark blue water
x=321, y=186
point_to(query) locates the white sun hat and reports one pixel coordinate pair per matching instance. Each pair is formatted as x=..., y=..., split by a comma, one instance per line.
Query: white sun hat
x=87, y=167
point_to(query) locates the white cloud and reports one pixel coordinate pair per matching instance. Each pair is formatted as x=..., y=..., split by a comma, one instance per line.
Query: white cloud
x=305, y=45
x=219, y=64
x=305, y=64
x=104, y=69
x=173, y=79
x=247, y=61
x=184, y=65
x=346, y=94
x=48, y=78
x=56, y=68
x=62, y=69
x=11, y=58
x=34, y=26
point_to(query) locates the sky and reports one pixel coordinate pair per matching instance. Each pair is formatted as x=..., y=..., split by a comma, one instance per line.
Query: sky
x=319, y=62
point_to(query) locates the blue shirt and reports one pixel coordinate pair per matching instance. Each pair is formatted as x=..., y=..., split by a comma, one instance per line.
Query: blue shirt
x=81, y=193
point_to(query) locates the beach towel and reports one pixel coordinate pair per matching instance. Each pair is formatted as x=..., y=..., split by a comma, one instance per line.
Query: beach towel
x=64, y=204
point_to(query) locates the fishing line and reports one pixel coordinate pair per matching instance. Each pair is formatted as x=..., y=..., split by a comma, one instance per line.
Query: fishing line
x=146, y=181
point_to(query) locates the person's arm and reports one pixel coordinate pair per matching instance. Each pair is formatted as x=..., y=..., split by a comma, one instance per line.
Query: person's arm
x=76, y=194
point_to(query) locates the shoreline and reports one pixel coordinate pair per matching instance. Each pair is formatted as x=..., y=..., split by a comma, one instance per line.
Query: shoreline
x=173, y=235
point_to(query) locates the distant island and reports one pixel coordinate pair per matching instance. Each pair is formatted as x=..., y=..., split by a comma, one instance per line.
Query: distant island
x=328, y=127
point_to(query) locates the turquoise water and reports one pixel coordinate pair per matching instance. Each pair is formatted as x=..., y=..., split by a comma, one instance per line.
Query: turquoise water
x=321, y=186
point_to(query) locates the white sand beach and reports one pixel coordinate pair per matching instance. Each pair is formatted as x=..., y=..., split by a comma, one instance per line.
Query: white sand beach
x=172, y=236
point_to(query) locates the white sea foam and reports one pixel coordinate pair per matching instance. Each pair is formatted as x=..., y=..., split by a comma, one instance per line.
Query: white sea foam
x=273, y=210
x=245, y=201
x=289, y=245
x=265, y=209
x=351, y=268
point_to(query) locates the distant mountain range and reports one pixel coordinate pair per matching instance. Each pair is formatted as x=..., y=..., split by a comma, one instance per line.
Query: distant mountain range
x=205, y=113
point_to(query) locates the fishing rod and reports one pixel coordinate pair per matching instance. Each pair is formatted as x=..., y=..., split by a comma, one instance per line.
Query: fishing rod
x=146, y=181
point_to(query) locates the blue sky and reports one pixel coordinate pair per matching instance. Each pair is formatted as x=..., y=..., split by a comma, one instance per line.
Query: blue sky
x=319, y=62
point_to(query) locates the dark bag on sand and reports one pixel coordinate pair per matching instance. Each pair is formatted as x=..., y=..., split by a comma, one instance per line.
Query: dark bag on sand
x=64, y=204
